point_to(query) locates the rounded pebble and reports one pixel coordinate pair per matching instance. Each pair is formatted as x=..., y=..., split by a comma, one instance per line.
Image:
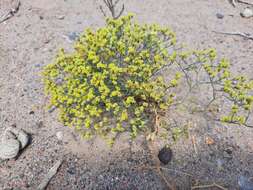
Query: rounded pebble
x=59, y=135
x=247, y=13
x=165, y=155
x=21, y=136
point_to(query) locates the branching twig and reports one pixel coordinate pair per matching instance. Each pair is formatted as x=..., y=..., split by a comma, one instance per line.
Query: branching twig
x=111, y=6
x=245, y=35
x=208, y=186
x=244, y=2
x=9, y=13
x=233, y=2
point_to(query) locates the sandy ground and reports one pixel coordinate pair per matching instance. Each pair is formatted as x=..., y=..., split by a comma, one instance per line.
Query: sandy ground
x=30, y=40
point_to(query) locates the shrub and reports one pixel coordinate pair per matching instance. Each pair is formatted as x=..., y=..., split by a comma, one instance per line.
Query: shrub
x=112, y=82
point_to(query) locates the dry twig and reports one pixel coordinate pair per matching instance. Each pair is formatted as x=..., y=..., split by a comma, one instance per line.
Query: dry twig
x=49, y=175
x=111, y=6
x=245, y=35
x=208, y=186
x=10, y=12
x=233, y=2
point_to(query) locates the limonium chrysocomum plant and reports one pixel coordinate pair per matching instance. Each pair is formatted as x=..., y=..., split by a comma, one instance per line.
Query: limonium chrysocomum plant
x=109, y=84
x=113, y=80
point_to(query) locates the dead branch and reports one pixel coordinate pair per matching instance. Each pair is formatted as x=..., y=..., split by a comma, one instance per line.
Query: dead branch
x=111, y=6
x=208, y=186
x=49, y=175
x=244, y=2
x=233, y=2
x=245, y=35
x=10, y=13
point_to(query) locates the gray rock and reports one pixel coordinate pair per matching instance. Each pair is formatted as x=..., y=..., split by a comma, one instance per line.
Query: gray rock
x=72, y=36
x=59, y=135
x=247, y=13
x=21, y=136
x=9, y=149
x=220, y=15
x=12, y=141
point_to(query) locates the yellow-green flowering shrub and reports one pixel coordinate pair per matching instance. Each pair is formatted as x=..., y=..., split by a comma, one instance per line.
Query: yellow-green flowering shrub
x=112, y=82
x=109, y=83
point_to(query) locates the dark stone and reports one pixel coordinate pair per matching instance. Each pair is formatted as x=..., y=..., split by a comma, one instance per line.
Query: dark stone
x=71, y=171
x=165, y=155
x=219, y=16
x=31, y=112
x=229, y=151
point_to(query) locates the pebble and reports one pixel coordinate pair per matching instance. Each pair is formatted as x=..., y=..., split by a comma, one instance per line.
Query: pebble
x=60, y=17
x=59, y=135
x=165, y=155
x=247, y=13
x=72, y=36
x=219, y=15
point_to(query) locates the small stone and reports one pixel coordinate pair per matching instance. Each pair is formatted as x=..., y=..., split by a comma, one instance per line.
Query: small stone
x=31, y=112
x=165, y=155
x=60, y=17
x=71, y=171
x=20, y=135
x=51, y=110
x=209, y=141
x=247, y=13
x=219, y=15
x=59, y=135
x=72, y=36
x=229, y=151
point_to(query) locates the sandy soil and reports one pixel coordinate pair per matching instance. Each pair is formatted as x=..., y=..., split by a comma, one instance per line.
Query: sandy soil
x=30, y=40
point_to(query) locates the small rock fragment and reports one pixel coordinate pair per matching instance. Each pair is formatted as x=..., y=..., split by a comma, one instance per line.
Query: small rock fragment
x=247, y=13
x=31, y=112
x=72, y=36
x=219, y=15
x=209, y=141
x=60, y=17
x=59, y=135
x=165, y=155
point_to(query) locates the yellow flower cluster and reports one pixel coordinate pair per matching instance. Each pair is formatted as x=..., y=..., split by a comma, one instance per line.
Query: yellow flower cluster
x=107, y=85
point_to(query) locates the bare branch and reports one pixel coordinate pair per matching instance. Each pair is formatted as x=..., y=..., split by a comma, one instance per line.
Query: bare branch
x=245, y=35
